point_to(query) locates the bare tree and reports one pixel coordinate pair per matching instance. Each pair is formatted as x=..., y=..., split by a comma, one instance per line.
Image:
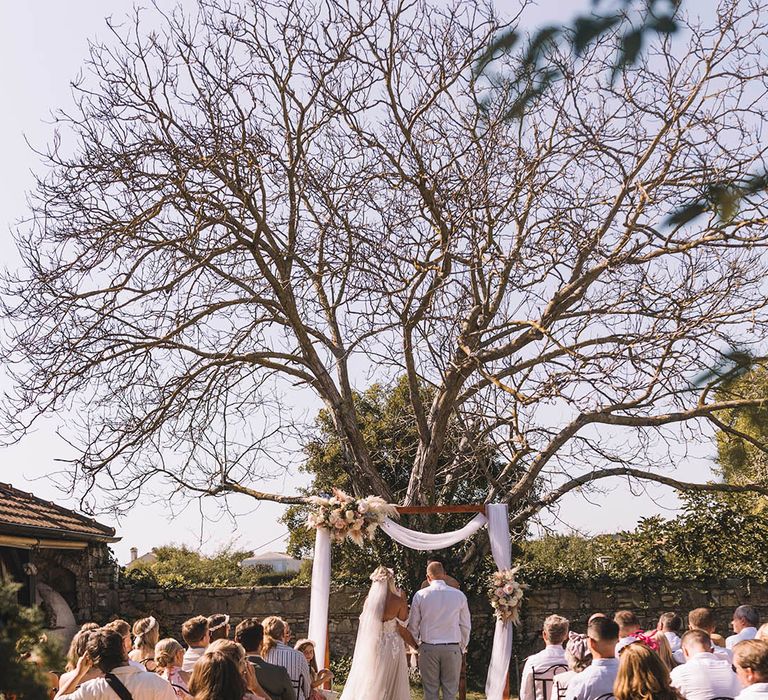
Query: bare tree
x=266, y=203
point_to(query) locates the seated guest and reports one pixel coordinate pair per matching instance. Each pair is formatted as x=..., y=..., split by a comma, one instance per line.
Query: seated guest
x=627, y=622
x=547, y=663
x=124, y=630
x=169, y=656
x=704, y=676
x=750, y=659
x=671, y=624
x=236, y=652
x=318, y=676
x=105, y=651
x=218, y=627
x=275, y=651
x=598, y=678
x=195, y=634
x=703, y=619
x=146, y=633
x=663, y=649
x=217, y=677
x=745, y=622
x=578, y=656
x=70, y=680
x=642, y=675
x=274, y=679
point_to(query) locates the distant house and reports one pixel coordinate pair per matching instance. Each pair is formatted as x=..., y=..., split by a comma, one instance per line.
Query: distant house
x=60, y=558
x=279, y=562
x=136, y=560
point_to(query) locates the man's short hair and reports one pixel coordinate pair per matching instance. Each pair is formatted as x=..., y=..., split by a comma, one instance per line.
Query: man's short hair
x=556, y=629
x=748, y=614
x=194, y=629
x=119, y=626
x=435, y=568
x=695, y=639
x=701, y=619
x=626, y=618
x=250, y=634
x=106, y=648
x=752, y=653
x=671, y=622
x=603, y=629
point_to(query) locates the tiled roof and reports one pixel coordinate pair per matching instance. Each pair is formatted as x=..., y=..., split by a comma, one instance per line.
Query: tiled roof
x=22, y=513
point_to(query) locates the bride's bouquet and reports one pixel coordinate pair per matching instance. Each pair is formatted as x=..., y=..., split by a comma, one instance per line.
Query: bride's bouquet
x=507, y=595
x=349, y=517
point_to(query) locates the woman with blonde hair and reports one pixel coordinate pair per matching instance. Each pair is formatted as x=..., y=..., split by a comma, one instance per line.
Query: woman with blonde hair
x=76, y=650
x=664, y=649
x=146, y=633
x=169, y=657
x=216, y=677
x=237, y=653
x=642, y=675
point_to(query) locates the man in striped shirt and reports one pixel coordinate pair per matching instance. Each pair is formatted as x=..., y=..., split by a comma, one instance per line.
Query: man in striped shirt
x=276, y=651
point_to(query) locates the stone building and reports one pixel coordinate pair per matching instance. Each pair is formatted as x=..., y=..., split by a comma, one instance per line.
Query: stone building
x=61, y=559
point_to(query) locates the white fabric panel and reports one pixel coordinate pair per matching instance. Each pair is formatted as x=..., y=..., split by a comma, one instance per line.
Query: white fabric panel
x=320, y=594
x=425, y=541
x=501, y=548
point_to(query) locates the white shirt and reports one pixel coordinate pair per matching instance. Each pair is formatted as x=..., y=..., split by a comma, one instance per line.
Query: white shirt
x=440, y=615
x=552, y=655
x=746, y=633
x=295, y=663
x=705, y=677
x=756, y=691
x=141, y=685
x=191, y=655
x=673, y=639
x=561, y=682
x=595, y=680
x=717, y=652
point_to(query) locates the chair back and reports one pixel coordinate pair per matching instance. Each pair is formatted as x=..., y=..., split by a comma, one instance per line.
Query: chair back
x=542, y=679
x=605, y=696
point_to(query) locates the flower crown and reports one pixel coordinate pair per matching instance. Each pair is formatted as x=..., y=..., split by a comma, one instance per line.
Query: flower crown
x=382, y=573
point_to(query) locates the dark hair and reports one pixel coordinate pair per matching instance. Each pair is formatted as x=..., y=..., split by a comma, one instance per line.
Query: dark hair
x=77, y=648
x=119, y=626
x=250, y=634
x=671, y=622
x=106, y=649
x=216, y=676
x=194, y=629
x=748, y=614
x=220, y=622
x=603, y=629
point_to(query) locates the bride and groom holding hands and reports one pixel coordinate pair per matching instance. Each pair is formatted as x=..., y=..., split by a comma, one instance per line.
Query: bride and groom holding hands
x=438, y=625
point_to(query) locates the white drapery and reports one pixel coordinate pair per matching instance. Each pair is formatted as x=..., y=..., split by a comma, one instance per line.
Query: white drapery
x=498, y=530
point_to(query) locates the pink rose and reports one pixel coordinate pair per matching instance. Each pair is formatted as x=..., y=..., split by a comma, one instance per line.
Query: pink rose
x=509, y=589
x=340, y=524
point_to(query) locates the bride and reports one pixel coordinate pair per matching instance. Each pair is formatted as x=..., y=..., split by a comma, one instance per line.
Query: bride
x=379, y=670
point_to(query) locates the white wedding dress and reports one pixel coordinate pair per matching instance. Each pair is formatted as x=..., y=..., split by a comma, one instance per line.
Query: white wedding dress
x=379, y=669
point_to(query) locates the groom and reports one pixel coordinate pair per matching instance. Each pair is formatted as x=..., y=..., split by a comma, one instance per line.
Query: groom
x=440, y=622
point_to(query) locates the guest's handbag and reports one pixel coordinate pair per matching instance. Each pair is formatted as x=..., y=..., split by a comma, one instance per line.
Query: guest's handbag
x=116, y=684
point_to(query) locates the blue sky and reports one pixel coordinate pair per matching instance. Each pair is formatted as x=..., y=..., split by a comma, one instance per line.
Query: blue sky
x=42, y=47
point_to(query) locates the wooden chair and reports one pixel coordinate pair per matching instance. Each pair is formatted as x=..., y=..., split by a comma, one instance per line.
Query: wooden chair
x=542, y=679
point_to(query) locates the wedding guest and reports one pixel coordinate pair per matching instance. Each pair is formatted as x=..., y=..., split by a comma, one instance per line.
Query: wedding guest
x=74, y=652
x=627, y=622
x=703, y=676
x=169, y=656
x=218, y=626
x=671, y=624
x=124, y=630
x=236, y=652
x=597, y=679
x=317, y=676
x=642, y=676
x=744, y=623
x=106, y=652
x=578, y=656
x=71, y=678
x=750, y=659
x=762, y=633
x=196, y=636
x=274, y=679
x=547, y=663
x=703, y=619
x=146, y=633
x=217, y=677
x=275, y=651
x=664, y=650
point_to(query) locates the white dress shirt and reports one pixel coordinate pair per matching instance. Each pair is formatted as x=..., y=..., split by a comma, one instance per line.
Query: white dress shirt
x=595, y=680
x=717, y=652
x=440, y=615
x=552, y=655
x=705, y=677
x=746, y=633
x=756, y=691
x=191, y=655
x=141, y=685
x=673, y=639
x=295, y=663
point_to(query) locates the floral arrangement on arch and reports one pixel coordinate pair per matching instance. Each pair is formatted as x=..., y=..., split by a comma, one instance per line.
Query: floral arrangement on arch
x=349, y=517
x=506, y=595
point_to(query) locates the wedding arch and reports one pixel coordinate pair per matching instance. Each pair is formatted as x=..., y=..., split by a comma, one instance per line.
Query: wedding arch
x=494, y=516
